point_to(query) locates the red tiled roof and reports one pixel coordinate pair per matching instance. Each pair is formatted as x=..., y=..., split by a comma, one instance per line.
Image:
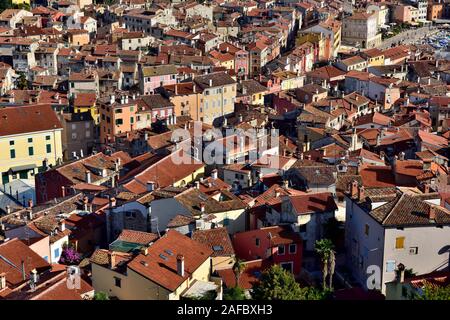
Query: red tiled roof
x=163, y=271
x=313, y=203
x=140, y=237
x=217, y=239
x=16, y=252
x=165, y=172
x=377, y=176
x=33, y=118
x=248, y=278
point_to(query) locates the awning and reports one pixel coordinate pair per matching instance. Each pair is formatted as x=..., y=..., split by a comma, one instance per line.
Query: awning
x=22, y=168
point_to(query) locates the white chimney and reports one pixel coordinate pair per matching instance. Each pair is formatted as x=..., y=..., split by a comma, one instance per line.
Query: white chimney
x=62, y=225
x=88, y=177
x=2, y=280
x=214, y=174
x=210, y=82
x=197, y=184
x=113, y=99
x=180, y=265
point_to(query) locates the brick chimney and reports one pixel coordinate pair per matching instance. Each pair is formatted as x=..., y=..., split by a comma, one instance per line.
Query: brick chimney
x=361, y=194
x=353, y=189
x=426, y=188
x=180, y=265
x=432, y=213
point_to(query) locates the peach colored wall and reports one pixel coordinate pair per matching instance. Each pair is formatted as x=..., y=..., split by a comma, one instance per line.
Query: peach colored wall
x=42, y=248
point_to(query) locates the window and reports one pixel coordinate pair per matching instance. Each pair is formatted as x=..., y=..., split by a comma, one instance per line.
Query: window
x=390, y=266
x=366, y=229
x=131, y=119
x=119, y=122
x=302, y=228
x=399, y=242
x=287, y=266
x=49, y=148
x=118, y=282
x=47, y=138
x=257, y=242
x=292, y=248
x=30, y=151
x=12, y=153
x=11, y=143
x=30, y=139
x=281, y=250
x=56, y=252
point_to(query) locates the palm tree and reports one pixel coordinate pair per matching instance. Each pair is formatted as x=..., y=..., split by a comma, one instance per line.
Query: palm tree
x=325, y=249
x=238, y=269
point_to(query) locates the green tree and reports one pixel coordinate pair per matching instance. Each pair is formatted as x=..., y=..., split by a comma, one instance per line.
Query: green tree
x=277, y=284
x=325, y=249
x=100, y=295
x=311, y=293
x=238, y=269
x=435, y=293
x=22, y=82
x=5, y=4
x=234, y=293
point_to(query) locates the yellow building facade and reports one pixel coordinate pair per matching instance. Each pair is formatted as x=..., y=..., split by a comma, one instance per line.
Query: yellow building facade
x=23, y=155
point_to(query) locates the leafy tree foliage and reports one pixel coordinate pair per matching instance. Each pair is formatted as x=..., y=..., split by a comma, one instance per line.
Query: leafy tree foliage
x=100, y=295
x=276, y=284
x=235, y=293
x=435, y=293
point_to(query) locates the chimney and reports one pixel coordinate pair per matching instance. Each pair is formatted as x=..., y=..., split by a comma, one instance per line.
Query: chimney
x=426, y=188
x=401, y=273
x=210, y=82
x=202, y=207
x=277, y=192
x=432, y=213
x=112, y=202
x=112, y=259
x=361, y=194
x=30, y=203
x=88, y=177
x=62, y=225
x=113, y=99
x=197, y=184
x=2, y=280
x=214, y=174
x=286, y=184
x=150, y=186
x=8, y=209
x=180, y=265
x=85, y=203
x=401, y=156
x=24, y=276
x=353, y=189
x=63, y=191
